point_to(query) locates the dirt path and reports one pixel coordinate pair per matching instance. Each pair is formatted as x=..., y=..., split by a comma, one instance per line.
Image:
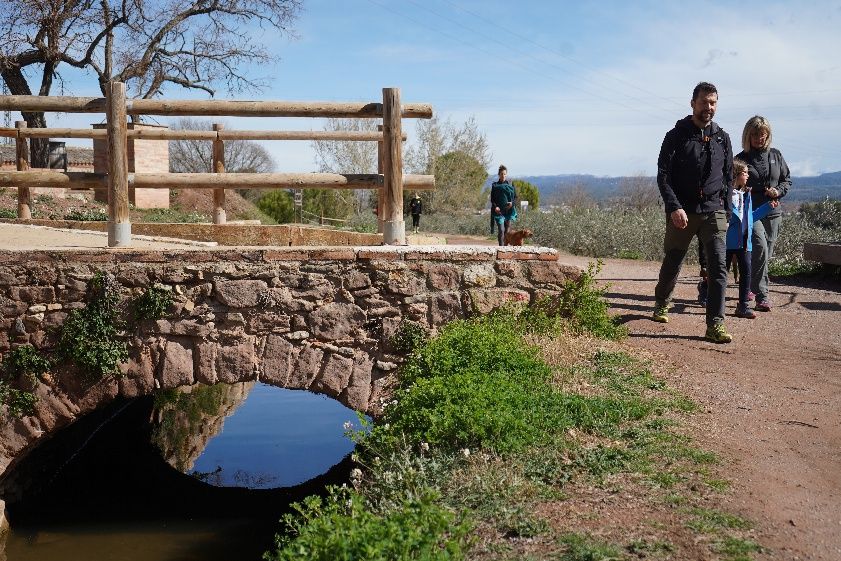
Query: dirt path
x=770, y=401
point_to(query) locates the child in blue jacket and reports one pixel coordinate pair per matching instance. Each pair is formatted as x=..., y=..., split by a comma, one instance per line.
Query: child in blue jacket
x=742, y=217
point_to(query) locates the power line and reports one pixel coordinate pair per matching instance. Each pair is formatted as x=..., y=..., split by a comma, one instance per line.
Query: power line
x=571, y=59
x=524, y=67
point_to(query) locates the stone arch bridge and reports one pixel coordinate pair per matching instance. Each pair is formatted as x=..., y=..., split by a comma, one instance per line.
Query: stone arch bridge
x=300, y=318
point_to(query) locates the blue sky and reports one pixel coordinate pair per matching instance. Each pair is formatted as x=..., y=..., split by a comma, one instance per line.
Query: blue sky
x=562, y=87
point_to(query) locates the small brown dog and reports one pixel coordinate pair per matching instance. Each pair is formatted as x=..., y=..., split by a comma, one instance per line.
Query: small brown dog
x=516, y=237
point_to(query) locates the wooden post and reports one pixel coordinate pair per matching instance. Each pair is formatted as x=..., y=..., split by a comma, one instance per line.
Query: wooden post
x=219, y=216
x=119, y=226
x=394, y=229
x=22, y=162
x=381, y=190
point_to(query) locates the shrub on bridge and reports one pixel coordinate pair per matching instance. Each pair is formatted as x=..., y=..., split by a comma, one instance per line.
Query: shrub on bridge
x=152, y=304
x=90, y=337
x=21, y=366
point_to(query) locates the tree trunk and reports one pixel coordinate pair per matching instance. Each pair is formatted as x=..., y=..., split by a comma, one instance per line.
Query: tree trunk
x=39, y=148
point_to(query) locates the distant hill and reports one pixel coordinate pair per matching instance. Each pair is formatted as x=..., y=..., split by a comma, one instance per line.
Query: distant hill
x=803, y=189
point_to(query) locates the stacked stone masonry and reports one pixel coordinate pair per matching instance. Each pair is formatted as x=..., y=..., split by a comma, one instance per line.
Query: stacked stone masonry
x=302, y=318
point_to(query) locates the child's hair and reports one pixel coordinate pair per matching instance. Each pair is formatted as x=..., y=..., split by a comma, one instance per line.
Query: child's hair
x=739, y=166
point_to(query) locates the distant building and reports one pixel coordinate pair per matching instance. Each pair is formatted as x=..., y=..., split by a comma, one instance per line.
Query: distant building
x=151, y=156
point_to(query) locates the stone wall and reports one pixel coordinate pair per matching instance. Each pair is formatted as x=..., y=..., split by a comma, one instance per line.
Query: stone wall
x=301, y=318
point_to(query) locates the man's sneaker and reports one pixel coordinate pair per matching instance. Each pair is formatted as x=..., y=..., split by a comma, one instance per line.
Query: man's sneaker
x=661, y=314
x=745, y=312
x=717, y=334
x=763, y=306
x=751, y=296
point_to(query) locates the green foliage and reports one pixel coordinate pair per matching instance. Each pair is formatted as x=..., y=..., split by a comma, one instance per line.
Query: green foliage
x=825, y=214
x=409, y=337
x=737, y=549
x=18, y=402
x=582, y=304
x=25, y=360
x=459, y=179
x=90, y=336
x=8, y=213
x=21, y=362
x=709, y=521
x=527, y=192
x=477, y=384
x=341, y=527
x=87, y=214
x=481, y=424
x=278, y=204
x=152, y=304
x=171, y=216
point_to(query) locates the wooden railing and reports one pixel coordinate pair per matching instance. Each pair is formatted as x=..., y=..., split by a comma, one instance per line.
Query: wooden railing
x=389, y=180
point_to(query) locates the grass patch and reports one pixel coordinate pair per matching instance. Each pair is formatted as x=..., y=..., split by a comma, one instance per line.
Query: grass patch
x=737, y=549
x=709, y=521
x=580, y=547
x=482, y=427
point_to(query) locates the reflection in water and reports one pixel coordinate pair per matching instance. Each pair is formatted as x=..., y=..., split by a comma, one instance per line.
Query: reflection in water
x=277, y=438
x=116, y=497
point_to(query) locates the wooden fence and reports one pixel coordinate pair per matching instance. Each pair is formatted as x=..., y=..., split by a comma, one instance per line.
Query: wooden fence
x=389, y=180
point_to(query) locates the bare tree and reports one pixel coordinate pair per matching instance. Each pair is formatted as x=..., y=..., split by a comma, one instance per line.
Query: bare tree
x=426, y=152
x=341, y=156
x=196, y=156
x=147, y=44
x=639, y=192
x=578, y=198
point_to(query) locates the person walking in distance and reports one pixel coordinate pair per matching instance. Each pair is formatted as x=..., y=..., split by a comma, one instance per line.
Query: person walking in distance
x=503, y=210
x=416, y=209
x=694, y=174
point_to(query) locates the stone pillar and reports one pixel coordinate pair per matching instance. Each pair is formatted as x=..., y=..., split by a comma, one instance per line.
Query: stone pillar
x=144, y=156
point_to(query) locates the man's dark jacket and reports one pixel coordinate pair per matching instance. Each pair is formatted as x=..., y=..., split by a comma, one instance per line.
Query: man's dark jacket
x=695, y=169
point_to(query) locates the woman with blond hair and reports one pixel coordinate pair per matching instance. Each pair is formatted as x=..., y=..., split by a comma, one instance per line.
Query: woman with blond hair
x=768, y=180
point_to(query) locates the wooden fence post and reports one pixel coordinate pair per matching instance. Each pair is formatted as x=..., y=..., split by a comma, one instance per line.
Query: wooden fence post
x=22, y=164
x=119, y=225
x=381, y=190
x=394, y=230
x=219, y=215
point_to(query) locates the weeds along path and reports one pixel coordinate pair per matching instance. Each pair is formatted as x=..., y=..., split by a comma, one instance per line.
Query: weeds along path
x=770, y=402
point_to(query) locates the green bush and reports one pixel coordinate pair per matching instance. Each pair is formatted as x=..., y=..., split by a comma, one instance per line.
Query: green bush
x=25, y=360
x=8, y=213
x=582, y=306
x=152, y=304
x=90, y=336
x=278, y=204
x=409, y=337
x=341, y=527
x=478, y=384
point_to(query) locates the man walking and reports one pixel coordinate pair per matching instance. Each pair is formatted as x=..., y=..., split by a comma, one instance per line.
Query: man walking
x=694, y=174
